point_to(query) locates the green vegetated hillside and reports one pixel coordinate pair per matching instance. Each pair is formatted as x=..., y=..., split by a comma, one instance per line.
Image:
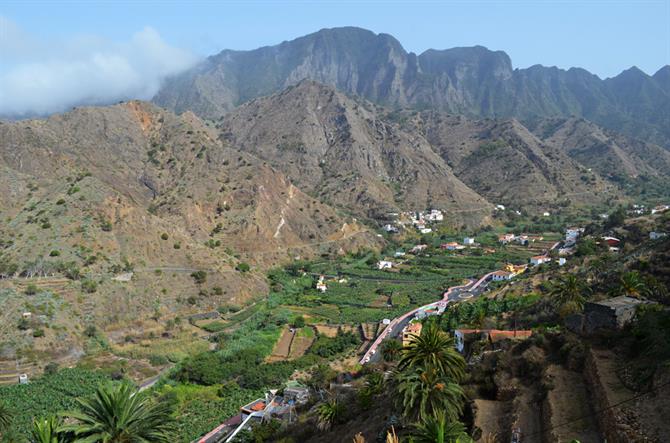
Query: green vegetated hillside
x=530, y=384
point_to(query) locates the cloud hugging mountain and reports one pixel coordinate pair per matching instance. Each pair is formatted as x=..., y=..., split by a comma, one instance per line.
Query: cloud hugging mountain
x=39, y=77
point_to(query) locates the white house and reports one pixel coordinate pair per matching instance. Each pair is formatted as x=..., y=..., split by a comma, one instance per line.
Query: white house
x=539, y=259
x=435, y=215
x=418, y=248
x=386, y=321
x=383, y=264
x=321, y=284
x=23, y=379
x=561, y=261
x=399, y=254
x=468, y=241
x=501, y=276
x=506, y=238
x=425, y=230
x=546, y=214
x=390, y=228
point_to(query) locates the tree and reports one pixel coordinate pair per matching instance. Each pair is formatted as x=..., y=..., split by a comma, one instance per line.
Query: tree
x=439, y=430
x=423, y=392
x=329, y=413
x=631, y=284
x=299, y=321
x=119, y=414
x=47, y=430
x=391, y=350
x=616, y=218
x=569, y=294
x=433, y=349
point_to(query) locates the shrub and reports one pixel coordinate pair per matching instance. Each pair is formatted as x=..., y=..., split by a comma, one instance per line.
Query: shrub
x=243, y=267
x=217, y=290
x=177, y=246
x=158, y=360
x=89, y=286
x=39, y=332
x=31, y=289
x=54, y=253
x=60, y=201
x=90, y=331
x=106, y=225
x=199, y=277
x=51, y=368
x=164, y=236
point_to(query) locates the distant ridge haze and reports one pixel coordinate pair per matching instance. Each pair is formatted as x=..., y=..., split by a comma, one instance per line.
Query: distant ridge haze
x=473, y=81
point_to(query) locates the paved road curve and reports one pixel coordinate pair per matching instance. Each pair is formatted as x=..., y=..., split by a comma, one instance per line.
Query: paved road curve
x=453, y=295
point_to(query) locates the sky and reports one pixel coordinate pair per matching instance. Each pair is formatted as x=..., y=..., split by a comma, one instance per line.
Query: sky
x=95, y=52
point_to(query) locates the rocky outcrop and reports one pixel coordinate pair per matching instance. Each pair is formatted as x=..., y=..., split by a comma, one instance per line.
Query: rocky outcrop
x=469, y=80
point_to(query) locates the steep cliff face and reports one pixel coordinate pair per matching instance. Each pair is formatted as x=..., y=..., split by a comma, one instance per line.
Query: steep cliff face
x=470, y=80
x=342, y=151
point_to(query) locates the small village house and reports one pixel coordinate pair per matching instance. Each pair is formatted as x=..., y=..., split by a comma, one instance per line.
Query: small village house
x=501, y=276
x=612, y=242
x=539, y=259
x=321, y=284
x=410, y=332
x=384, y=264
x=418, y=248
x=506, y=238
x=515, y=269
x=468, y=241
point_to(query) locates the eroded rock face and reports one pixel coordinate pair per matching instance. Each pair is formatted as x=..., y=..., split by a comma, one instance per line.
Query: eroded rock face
x=470, y=80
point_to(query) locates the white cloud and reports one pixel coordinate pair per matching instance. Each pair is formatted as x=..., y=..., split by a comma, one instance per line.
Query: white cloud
x=40, y=77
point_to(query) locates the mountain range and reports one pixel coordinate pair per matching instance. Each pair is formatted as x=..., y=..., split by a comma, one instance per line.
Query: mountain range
x=473, y=81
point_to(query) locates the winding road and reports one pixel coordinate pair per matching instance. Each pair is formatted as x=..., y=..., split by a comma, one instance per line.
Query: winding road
x=452, y=295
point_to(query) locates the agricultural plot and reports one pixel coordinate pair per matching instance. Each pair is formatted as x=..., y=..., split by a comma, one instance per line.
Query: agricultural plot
x=283, y=346
x=301, y=342
x=46, y=396
x=358, y=292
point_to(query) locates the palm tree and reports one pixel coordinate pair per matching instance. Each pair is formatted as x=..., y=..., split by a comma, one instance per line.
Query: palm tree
x=121, y=414
x=374, y=383
x=391, y=350
x=47, y=431
x=433, y=349
x=5, y=417
x=631, y=284
x=569, y=294
x=329, y=413
x=423, y=392
x=438, y=429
